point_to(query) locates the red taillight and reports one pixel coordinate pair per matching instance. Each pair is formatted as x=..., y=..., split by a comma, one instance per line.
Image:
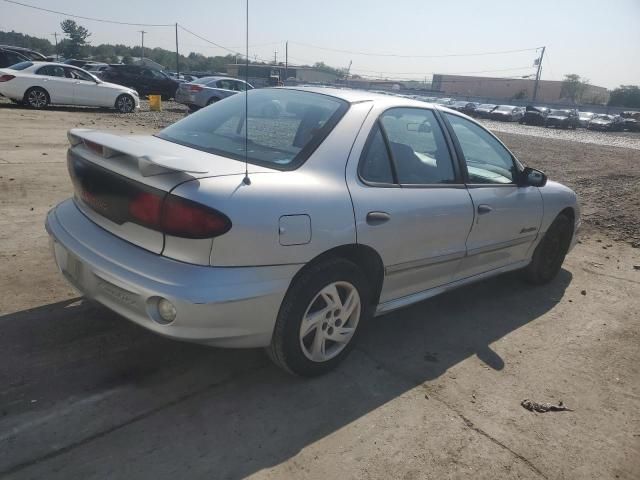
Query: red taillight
x=6, y=78
x=146, y=208
x=177, y=216
x=195, y=88
x=184, y=218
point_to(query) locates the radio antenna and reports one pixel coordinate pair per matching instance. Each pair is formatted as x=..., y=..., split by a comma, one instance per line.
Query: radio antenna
x=246, y=180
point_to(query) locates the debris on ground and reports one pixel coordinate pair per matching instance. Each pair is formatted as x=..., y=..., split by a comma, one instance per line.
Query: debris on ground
x=544, y=407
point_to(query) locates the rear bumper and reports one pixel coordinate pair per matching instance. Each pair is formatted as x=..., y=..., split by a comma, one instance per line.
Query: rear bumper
x=228, y=307
x=184, y=98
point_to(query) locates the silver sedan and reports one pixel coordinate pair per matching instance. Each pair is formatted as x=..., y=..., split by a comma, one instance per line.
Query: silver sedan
x=207, y=90
x=338, y=205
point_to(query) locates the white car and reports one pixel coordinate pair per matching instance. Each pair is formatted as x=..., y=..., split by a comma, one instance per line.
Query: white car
x=39, y=84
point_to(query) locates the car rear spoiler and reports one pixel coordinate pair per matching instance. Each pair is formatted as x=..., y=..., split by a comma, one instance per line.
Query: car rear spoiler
x=150, y=162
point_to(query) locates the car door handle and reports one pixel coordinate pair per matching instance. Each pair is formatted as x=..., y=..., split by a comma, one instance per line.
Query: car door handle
x=482, y=209
x=377, y=218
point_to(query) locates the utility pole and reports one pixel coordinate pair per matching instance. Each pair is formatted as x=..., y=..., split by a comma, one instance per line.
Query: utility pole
x=286, y=61
x=275, y=57
x=177, y=54
x=142, y=32
x=535, y=87
x=346, y=78
x=55, y=35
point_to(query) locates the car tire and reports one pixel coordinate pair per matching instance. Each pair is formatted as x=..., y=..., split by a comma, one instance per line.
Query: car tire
x=549, y=254
x=330, y=298
x=37, y=98
x=125, y=103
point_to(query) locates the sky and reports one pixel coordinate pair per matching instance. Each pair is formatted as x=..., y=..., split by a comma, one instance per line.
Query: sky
x=598, y=40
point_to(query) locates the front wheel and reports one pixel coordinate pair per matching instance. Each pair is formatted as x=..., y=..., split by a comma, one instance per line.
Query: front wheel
x=550, y=252
x=36, y=97
x=320, y=318
x=125, y=103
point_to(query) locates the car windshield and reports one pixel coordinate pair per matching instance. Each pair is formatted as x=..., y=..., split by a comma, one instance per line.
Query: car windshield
x=605, y=117
x=559, y=113
x=285, y=126
x=486, y=106
x=586, y=115
x=505, y=108
x=21, y=66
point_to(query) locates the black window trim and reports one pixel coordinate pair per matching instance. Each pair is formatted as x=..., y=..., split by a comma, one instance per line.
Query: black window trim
x=458, y=179
x=462, y=161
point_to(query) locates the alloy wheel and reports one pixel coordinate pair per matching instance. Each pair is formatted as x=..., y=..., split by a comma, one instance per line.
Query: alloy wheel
x=330, y=321
x=37, y=98
x=125, y=104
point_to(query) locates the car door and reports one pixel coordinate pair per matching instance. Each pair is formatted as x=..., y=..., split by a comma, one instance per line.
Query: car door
x=53, y=79
x=85, y=89
x=507, y=216
x=410, y=203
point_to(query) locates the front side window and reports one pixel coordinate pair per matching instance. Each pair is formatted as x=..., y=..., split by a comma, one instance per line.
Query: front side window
x=78, y=75
x=418, y=147
x=285, y=126
x=486, y=159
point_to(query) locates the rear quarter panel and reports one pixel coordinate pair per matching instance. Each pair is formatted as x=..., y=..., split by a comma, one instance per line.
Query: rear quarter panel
x=317, y=189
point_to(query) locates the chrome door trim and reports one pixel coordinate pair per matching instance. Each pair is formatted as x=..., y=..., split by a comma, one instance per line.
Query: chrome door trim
x=499, y=246
x=402, y=302
x=423, y=262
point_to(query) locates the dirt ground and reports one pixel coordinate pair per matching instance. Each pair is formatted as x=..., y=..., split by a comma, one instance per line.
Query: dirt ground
x=431, y=392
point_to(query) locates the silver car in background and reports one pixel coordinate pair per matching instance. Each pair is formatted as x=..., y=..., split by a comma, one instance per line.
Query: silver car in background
x=349, y=205
x=207, y=90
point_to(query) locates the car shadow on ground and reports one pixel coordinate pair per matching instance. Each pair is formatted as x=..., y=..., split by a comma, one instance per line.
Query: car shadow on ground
x=228, y=413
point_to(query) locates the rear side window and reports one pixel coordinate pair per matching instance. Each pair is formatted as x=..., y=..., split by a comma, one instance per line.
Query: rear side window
x=418, y=147
x=375, y=166
x=285, y=126
x=51, y=71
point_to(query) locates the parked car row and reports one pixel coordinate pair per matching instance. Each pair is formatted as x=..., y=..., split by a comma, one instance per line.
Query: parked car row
x=541, y=116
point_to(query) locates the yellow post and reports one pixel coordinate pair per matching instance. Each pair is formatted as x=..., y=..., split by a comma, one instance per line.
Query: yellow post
x=155, y=103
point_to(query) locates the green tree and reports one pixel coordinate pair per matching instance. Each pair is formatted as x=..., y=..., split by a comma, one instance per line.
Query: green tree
x=573, y=87
x=625, y=96
x=77, y=39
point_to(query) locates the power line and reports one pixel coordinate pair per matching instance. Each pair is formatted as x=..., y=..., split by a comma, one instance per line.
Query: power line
x=351, y=52
x=90, y=18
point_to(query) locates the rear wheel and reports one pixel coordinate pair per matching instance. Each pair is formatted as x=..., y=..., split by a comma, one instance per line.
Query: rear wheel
x=550, y=252
x=320, y=318
x=36, y=97
x=125, y=103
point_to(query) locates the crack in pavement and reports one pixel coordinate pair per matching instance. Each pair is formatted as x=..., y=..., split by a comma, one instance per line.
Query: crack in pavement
x=137, y=418
x=468, y=423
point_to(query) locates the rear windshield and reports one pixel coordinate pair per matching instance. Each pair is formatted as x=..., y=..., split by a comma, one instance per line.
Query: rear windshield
x=285, y=126
x=20, y=66
x=559, y=113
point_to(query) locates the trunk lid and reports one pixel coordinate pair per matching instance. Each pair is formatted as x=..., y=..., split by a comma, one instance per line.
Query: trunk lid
x=109, y=172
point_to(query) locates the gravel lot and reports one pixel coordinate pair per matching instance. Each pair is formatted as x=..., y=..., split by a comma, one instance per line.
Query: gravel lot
x=432, y=391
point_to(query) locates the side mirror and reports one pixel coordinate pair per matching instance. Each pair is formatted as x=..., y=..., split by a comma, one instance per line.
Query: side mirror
x=533, y=178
